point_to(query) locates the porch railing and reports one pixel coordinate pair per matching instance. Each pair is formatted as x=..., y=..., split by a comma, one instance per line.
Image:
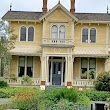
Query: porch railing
x=82, y=83
x=57, y=41
x=35, y=81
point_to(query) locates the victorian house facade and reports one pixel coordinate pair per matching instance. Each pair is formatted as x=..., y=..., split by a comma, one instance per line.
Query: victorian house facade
x=59, y=47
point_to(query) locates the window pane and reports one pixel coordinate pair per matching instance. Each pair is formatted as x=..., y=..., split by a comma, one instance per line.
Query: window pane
x=21, y=66
x=54, y=31
x=30, y=66
x=92, y=63
x=30, y=34
x=84, y=65
x=93, y=35
x=62, y=32
x=23, y=34
x=85, y=35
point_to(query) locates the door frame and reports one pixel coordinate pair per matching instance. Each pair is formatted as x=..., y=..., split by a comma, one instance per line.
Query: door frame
x=62, y=61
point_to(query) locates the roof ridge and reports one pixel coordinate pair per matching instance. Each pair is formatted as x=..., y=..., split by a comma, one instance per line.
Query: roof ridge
x=27, y=11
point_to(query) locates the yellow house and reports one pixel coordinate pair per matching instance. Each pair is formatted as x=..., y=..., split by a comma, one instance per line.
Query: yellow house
x=59, y=47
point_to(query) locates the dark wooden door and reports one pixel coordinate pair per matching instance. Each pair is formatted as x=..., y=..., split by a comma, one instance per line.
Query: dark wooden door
x=56, y=73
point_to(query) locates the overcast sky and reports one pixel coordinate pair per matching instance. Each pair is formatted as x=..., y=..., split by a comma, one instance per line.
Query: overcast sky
x=83, y=6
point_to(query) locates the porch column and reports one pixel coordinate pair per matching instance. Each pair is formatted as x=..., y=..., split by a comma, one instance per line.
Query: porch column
x=69, y=72
x=107, y=64
x=43, y=72
x=47, y=70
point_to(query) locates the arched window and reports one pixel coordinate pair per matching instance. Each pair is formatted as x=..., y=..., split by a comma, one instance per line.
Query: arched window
x=54, y=31
x=23, y=33
x=62, y=32
x=84, y=35
x=30, y=34
x=92, y=35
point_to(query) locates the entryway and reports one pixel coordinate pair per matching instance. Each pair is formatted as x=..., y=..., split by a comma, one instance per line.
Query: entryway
x=56, y=73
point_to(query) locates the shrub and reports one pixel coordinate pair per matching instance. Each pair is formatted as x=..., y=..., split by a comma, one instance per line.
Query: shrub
x=102, y=82
x=95, y=95
x=3, y=84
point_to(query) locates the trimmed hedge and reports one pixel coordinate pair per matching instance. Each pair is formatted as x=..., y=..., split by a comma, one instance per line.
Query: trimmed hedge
x=3, y=84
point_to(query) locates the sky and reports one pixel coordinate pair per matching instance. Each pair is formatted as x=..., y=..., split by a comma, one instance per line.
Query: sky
x=81, y=6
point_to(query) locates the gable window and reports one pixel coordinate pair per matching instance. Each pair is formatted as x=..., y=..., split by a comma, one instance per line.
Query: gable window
x=85, y=35
x=25, y=66
x=54, y=31
x=88, y=68
x=92, y=35
x=23, y=33
x=58, y=32
x=30, y=34
x=62, y=32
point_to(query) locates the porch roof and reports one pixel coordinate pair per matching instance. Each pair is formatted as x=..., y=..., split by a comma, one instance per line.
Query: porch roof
x=90, y=52
x=26, y=50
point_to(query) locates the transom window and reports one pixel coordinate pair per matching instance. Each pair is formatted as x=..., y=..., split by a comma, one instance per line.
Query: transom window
x=58, y=32
x=26, y=34
x=88, y=68
x=88, y=35
x=25, y=66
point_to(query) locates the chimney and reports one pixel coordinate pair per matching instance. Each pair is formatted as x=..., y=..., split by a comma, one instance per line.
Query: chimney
x=44, y=8
x=72, y=10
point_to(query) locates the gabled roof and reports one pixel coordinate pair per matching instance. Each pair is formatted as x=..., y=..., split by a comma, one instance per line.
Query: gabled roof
x=22, y=15
x=59, y=5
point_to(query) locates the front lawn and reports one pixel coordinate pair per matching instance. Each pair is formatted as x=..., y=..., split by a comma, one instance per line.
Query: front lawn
x=51, y=99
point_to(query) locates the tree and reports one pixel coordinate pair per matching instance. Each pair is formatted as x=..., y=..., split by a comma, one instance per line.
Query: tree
x=102, y=82
x=7, y=41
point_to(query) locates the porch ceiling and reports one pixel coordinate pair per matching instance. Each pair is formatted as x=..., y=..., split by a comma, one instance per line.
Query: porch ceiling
x=26, y=50
x=90, y=52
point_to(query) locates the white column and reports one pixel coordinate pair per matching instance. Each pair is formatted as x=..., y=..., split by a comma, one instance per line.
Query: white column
x=66, y=69
x=47, y=70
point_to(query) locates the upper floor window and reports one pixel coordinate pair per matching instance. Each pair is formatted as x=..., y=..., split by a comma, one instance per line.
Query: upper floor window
x=54, y=31
x=92, y=35
x=89, y=35
x=85, y=35
x=58, y=32
x=30, y=34
x=23, y=33
x=62, y=32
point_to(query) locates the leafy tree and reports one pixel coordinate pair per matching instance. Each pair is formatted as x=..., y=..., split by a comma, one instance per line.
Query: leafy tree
x=7, y=41
x=102, y=82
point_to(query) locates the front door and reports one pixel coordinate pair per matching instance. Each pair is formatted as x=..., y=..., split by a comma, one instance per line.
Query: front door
x=56, y=73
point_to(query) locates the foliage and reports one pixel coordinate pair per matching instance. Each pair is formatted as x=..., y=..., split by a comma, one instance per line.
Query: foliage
x=26, y=80
x=102, y=82
x=95, y=95
x=3, y=84
x=6, y=44
x=10, y=91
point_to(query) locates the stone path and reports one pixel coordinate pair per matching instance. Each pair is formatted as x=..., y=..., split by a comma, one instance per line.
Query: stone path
x=3, y=100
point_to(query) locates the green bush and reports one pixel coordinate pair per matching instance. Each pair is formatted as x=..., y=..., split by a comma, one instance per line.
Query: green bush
x=102, y=82
x=3, y=84
x=62, y=93
x=95, y=95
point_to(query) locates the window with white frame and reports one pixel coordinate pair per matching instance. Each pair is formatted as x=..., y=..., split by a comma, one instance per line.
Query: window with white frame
x=25, y=66
x=30, y=34
x=58, y=31
x=84, y=35
x=54, y=31
x=23, y=33
x=88, y=68
x=26, y=34
x=88, y=35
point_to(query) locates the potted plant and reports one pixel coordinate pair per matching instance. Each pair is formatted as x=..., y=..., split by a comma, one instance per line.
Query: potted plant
x=26, y=80
x=91, y=74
